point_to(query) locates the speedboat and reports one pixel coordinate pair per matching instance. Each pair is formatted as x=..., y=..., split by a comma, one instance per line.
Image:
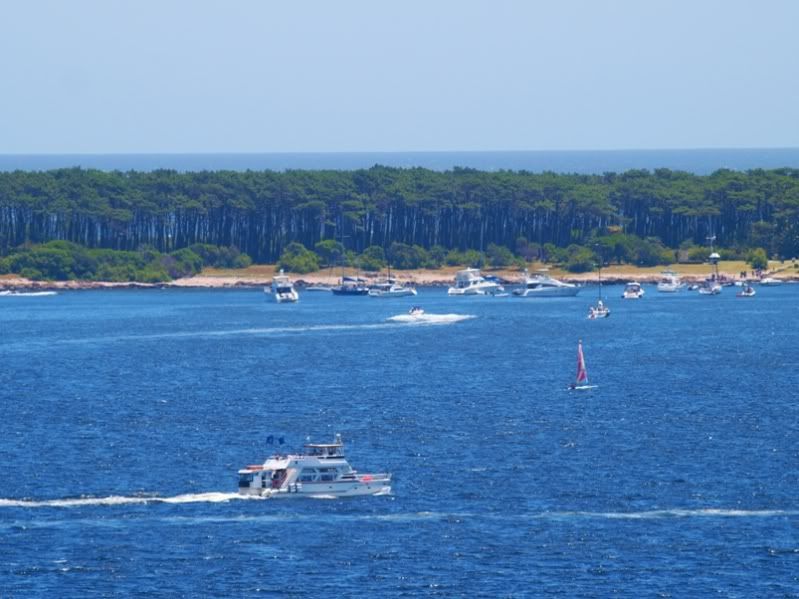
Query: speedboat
x=770, y=281
x=542, y=285
x=416, y=311
x=283, y=289
x=470, y=282
x=351, y=286
x=633, y=290
x=669, y=282
x=321, y=471
x=747, y=291
x=390, y=288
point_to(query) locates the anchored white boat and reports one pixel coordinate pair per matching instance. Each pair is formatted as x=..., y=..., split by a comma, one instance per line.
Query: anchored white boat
x=670, y=282
x=322, y=471
x=633, y=290
x=709, y=287
x=770, y=281
x=600, y=310
x=387, y=289
x=747, y=291
x=542, y=285
x=470, y=282
x=10, y=293
x=283, y=289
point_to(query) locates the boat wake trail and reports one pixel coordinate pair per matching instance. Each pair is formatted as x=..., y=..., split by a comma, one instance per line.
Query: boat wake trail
x=420, y=319
x=210, y=334
x=211, y=497
x=429, y=319
x=677, y=513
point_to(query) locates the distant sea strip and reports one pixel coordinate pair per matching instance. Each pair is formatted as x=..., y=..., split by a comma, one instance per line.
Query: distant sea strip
x=589, y=162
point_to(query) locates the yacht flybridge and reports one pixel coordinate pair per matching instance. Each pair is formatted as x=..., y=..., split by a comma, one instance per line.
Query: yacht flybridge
x=321, y=471
x=470, y=282
x=542, y=285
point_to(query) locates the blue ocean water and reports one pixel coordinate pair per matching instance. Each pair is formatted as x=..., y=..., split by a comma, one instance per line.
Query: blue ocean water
x=124, y=416
x=699, y=161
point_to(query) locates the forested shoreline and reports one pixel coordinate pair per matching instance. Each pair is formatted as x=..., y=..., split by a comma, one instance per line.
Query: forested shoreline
x=260, y=213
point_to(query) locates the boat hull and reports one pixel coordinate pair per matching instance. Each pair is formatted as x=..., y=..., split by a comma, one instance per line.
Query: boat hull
x=286, y=298
x=388, y=294
x=548, y=292
x=323, y=490
x=476, y=290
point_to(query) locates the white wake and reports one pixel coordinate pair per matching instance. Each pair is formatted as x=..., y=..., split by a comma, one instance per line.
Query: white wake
x=430, y=318
x=211, y=497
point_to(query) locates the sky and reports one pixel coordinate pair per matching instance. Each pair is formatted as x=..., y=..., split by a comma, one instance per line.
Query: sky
x=164, y=76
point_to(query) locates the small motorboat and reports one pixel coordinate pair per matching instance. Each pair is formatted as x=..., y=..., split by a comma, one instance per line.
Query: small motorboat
x=633, y=290
x=747, y=291
x=321, y=471
x=416, y=311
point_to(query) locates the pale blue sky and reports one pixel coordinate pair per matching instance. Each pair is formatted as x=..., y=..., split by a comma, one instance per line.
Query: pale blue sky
x=95, y=76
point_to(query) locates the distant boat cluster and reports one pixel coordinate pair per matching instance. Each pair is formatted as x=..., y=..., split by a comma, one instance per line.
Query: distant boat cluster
x=471, y=282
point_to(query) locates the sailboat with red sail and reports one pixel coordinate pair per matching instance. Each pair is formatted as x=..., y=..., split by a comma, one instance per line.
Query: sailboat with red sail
x=581, y=382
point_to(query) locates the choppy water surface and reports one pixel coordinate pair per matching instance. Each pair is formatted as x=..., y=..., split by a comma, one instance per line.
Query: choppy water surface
x=124, y=416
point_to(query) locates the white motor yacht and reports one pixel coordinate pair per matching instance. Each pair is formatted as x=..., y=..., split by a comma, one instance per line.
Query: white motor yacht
x=542, y=285
x=283, y=289
x=470, y=282
x=670, y=282
x=322, y=471
x=386, y=289
x=633, y=290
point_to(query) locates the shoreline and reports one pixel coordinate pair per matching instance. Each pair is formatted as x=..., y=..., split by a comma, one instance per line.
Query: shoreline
x=261, y=276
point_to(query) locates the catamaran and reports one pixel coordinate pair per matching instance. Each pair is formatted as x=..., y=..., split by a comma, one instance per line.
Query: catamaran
x=581, y=382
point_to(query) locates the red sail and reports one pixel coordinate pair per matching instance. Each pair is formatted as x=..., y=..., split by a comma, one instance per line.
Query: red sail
x=582, y=373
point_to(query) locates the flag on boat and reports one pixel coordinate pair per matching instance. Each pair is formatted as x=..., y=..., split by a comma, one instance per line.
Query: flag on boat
x=582, y=373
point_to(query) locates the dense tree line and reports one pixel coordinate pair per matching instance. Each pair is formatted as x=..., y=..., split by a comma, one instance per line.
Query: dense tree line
x=64, y=260
x=261, y=213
